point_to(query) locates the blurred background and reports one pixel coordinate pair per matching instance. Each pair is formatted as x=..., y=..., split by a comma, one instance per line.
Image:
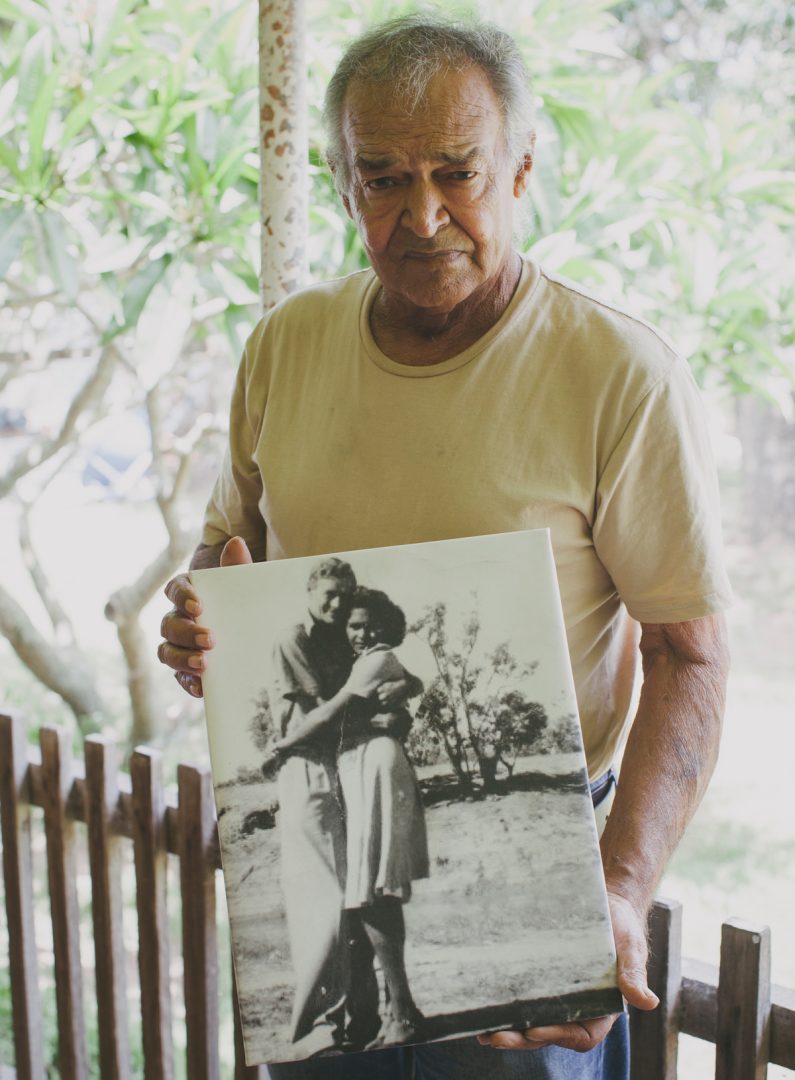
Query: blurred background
x=129, y=252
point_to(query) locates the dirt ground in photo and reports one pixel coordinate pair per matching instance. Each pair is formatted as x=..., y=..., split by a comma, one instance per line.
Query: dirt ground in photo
x=510, y=910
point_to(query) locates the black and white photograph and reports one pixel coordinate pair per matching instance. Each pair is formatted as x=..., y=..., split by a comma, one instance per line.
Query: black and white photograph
x=406, y=828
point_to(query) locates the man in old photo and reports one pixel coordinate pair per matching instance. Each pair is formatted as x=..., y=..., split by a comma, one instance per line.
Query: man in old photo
x=458, y=389
x=311, y=661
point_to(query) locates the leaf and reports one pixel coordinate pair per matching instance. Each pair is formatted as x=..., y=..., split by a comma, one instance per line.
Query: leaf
x=136, y=294
x=37, y=121
x=13, y=228
x=11, y=161
x=104, y=87
x=108, y=26
x=237, y=323
x=234, y=286
x=62, y=265
x=25, y=11
x=33, y=65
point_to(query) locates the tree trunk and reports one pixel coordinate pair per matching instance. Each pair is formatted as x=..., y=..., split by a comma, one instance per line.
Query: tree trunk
x=124, y=608
x=63, y=670
x=144, y=697
x=487, y=763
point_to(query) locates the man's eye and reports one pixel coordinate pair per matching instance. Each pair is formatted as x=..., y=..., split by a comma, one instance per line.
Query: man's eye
x=381, y=183
x=462, y=174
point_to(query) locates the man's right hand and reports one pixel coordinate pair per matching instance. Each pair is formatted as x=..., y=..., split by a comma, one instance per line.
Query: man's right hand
x=186, y=640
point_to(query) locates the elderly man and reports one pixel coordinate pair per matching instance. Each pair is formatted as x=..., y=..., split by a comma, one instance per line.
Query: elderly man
x=457, y=389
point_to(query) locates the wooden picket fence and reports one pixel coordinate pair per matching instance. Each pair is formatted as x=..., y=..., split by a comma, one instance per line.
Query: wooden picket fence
x=733, y=1007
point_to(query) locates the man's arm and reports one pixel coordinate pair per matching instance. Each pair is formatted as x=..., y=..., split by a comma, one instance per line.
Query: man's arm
x=316, y=720
x=669, y=758
x=185, y=640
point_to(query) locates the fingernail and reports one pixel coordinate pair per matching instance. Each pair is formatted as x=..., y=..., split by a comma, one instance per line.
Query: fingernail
x=196, y=661
x=204, y=641
x=192, y=607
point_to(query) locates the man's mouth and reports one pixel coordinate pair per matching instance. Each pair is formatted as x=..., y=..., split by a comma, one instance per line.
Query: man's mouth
x=445, y=253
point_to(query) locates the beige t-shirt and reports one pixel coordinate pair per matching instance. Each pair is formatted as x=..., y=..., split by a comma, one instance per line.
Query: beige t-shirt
x=567, y=414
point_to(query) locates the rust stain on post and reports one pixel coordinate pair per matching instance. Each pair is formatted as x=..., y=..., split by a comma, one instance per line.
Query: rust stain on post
x=283, y=163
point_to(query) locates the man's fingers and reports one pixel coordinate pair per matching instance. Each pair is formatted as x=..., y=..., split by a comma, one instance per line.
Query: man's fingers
x=235, y=553
x=177, y=630
x=631, y=954
x=183, y=596
x=632, y=984
x=191, y=683
x=191, y=661
x=185, y=642
x=509, y=1040
x=581, y=1036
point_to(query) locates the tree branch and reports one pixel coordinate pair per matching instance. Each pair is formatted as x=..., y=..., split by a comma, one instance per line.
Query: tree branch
x=62, y=670
x=89, y=396
x=61, y=623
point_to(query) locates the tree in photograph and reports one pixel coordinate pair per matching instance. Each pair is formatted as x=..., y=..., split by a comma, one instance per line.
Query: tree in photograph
x=477, y=707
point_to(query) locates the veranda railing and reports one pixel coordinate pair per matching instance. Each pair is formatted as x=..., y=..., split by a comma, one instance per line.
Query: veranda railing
x=129, y=821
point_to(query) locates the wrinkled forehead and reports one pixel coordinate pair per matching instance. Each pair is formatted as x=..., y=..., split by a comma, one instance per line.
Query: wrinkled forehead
x=458, y=112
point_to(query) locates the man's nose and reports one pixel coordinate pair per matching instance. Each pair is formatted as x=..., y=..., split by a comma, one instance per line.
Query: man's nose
x=424, y=213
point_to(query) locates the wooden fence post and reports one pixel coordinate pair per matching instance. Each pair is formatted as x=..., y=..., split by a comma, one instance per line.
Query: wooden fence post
x=101, y=799
x=18, y=879
x=151, y=865
x=56, y=766
x=654, y=1036
x=199, y=941
x=743, y=1038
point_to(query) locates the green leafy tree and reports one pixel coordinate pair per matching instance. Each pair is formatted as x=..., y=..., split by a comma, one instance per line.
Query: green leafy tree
x=128, y=241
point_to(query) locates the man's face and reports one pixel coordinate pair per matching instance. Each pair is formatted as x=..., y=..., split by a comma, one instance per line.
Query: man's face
x=432, y=192
x=328, y=601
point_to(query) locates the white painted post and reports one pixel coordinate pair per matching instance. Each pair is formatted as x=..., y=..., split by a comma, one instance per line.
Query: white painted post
x=284, y=147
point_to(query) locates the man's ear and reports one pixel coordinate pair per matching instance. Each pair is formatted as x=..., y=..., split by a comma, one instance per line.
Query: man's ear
x=522, y=178
x=346, y=202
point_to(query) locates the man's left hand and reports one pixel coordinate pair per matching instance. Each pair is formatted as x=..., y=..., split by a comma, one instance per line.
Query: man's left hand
x=629, y=931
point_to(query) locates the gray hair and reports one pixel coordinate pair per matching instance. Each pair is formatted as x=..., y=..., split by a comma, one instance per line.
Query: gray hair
x=408, y=52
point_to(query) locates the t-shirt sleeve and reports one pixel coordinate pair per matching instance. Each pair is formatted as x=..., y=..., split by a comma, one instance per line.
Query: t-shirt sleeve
x=233, y=509
x=293, y=686
x=657, y=523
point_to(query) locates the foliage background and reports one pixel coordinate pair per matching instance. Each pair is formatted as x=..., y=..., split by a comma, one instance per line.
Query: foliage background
x=128, y=280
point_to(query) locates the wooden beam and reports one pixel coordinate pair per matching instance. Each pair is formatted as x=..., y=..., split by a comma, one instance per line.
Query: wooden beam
x=654, y=1036
x=147, y=819
x=743, y=1036
x=56, y=762
x=199, y=941
x=18, y=887
x=105, y=860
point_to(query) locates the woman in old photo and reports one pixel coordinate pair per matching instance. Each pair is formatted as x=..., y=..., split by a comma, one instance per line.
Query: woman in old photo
x=386, y=837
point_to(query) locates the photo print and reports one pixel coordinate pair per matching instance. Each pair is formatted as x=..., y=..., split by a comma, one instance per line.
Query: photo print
x=405, y=823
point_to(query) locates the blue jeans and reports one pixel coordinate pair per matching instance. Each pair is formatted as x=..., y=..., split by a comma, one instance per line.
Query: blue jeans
x=466, y=1059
